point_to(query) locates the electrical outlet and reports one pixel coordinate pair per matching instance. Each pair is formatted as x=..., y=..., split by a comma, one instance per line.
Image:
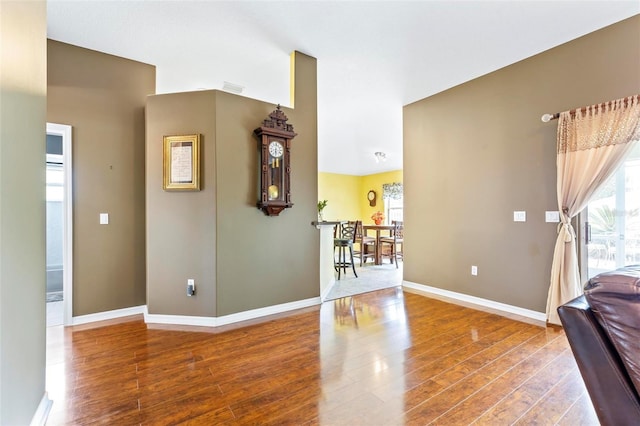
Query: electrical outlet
x=191, y=287
x=474, y=270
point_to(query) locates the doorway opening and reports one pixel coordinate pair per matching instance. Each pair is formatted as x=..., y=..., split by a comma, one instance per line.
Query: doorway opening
x=59, y=225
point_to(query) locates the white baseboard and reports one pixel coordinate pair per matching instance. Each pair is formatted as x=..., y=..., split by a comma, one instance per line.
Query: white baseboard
x=107, y=315
x=327, y=290
x=42, y=412
x=269, y=310
x=232, y=318
x=477, y=301
x=179, y=320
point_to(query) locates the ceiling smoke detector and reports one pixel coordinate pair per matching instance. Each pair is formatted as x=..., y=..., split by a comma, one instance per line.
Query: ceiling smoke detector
x=380, y=156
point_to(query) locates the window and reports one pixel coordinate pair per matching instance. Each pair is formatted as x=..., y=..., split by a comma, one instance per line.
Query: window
x=393, y=209
x=613, y=220
x=392, y=194
x=54, y=178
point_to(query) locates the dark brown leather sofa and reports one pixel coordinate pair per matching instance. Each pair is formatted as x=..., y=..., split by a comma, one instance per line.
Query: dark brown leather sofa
x=603, y=329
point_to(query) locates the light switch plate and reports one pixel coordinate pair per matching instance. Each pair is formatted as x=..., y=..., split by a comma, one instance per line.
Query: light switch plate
x=104, y=218
x=552, y=216
x=519, y=216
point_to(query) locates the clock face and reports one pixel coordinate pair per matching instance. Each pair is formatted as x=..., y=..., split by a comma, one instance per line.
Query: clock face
x=275, y=149
x=371, y=195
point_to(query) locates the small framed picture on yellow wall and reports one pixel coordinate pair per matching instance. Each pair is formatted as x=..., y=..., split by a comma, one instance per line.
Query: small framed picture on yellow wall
x=181, y=163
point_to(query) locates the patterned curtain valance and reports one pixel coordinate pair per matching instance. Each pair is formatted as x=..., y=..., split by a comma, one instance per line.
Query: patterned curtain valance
x=392, y=190
x=597, y=126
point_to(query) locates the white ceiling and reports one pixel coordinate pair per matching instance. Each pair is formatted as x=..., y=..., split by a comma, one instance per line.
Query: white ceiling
x=373, y=56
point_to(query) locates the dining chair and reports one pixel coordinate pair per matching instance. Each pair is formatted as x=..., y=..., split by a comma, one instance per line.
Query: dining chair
x=344, y=240
x=366, y=247
x=396, y=239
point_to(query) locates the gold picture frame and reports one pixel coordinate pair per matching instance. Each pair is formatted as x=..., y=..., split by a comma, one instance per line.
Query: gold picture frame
x=181, y=163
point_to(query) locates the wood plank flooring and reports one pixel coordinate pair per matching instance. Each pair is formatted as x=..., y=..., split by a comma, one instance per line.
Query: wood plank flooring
x=382, y=358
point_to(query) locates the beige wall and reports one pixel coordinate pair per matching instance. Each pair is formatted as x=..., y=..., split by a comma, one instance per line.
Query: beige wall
x=23, y=88
x=181, y=228
x=475, y=153
x=240, y=258
x=103, y=97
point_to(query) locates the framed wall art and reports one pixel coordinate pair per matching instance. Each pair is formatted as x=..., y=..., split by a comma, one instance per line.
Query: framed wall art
x=181, y=163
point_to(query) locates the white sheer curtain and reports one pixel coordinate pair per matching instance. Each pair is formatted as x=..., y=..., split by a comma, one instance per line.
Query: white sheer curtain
x=592, y=143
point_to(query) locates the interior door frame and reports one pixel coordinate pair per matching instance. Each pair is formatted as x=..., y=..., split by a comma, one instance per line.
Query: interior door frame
x=64, y=131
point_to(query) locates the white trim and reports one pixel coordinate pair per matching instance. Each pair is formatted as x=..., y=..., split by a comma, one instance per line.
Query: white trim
x=107, y=315
x=232, y=318
x=327, y=290
x=179, y=320
x=269, y=310
x=478, y=301
x=42, y=412
x=64, y=130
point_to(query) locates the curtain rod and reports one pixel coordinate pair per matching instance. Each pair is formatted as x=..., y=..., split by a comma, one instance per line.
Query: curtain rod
x=548, y=117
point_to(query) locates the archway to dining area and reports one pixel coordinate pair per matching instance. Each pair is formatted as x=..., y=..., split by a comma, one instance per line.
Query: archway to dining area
x=376, y=202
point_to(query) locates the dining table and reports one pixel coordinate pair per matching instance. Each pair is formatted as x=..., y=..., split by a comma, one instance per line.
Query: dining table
x=378, y=229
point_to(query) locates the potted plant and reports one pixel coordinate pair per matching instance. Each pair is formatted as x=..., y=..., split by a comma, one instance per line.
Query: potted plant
x=321, y=205
x=377, y=217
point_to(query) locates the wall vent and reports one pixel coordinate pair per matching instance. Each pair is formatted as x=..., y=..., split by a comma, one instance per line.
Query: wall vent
x=233, y=88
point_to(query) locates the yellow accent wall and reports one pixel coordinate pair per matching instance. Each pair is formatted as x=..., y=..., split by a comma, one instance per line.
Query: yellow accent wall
x=347, y=194
x=375, y=182
x=341, y=191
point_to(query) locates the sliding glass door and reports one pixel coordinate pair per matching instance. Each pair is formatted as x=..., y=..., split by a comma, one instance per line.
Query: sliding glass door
x=612, y=228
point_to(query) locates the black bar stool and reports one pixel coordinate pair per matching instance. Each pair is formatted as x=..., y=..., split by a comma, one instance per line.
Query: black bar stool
x=343, y=242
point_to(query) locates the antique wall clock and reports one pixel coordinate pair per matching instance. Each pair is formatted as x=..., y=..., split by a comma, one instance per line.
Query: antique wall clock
x=371, y=196
x=274, y=151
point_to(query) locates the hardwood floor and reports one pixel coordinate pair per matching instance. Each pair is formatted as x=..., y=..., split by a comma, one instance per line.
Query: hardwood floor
x=381, y=358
